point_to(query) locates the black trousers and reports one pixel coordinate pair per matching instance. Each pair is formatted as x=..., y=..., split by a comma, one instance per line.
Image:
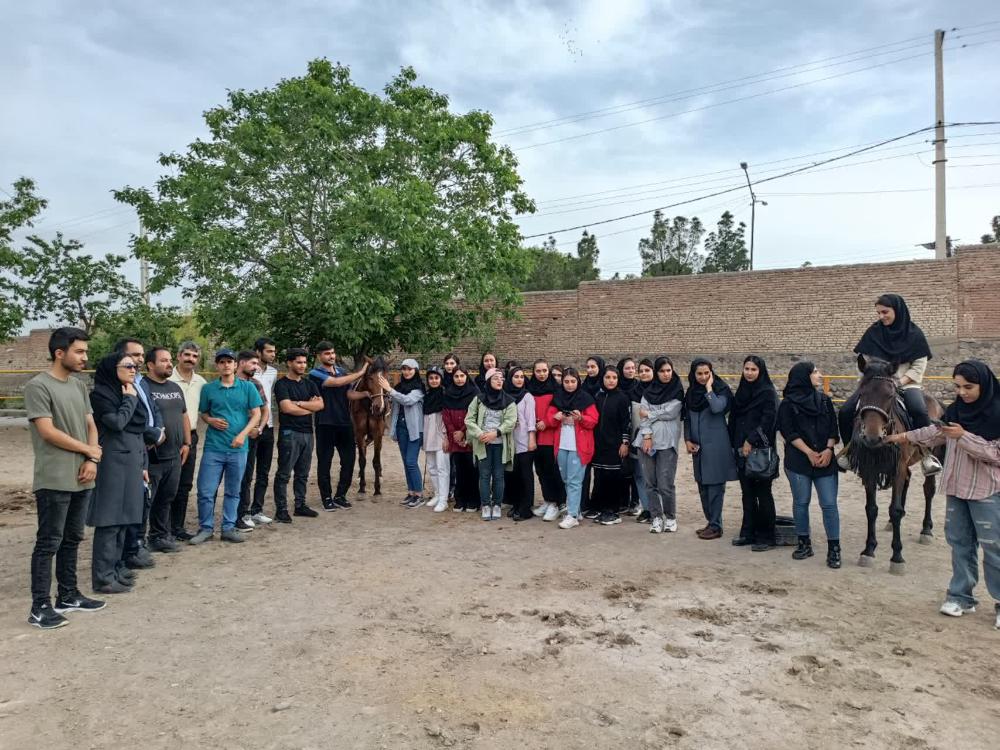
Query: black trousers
x=610, y=490
x=758, y=510
x=294, y=457
x=586, y=502
x=329, y=438
x=185, y=481
x=258, y=467
x=466, y=481
x=553, y=490
x=164, y=477
x=60, y=530
x=109, y=544
x=913, y=398
x=135, y=534
x=519, y=484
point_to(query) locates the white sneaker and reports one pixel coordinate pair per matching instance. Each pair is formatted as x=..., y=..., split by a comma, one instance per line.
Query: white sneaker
x=540, y=510
x=669, y=525
x=954, y=609
x=441, y=505
x=551, y=512
x=260, y=519
x=248, y=520
x=496, y=513
x=656, y=527
x=568, y=522
x=487, y=513
x=432, y=503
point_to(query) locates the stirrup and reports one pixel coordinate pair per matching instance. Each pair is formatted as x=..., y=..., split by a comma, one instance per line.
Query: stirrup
x=843, y=459
x=930, y=465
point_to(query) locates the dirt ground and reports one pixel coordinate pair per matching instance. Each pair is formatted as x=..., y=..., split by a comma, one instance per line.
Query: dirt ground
x=382, y=627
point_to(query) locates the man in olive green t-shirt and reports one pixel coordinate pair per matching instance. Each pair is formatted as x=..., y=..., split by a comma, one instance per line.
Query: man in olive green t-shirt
x=64, y=440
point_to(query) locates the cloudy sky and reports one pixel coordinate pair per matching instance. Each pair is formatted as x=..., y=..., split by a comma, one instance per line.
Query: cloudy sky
x=613, y=108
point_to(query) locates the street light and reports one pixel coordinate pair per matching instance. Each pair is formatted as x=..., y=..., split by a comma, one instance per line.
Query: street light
x=753, y=208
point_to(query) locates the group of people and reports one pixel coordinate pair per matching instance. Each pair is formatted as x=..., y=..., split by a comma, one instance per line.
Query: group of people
x=603, y=442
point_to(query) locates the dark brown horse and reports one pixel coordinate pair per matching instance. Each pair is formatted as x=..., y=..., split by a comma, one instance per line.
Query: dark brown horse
x=886, y=466
x=368, y=413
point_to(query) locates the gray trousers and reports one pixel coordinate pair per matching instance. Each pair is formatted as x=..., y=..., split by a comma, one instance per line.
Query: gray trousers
x=294, y=456
x=712, y=496
x=658, y=473
x=109, y=544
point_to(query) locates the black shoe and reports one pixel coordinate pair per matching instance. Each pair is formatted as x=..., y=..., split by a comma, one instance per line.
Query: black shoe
x=140, y=562
x=609, y=519
x=804, y=549
x=833, y=554
x=44, y=617
x=761, y=546
x=115, y=587
x=243, y=526
x=342, y=502
x=591, y=515
x=282, y=516
x=644, y=517
x=77, y=602
x=163, y=544
x=742, y=541
x=182, y=535
x=126, y=576
x=305, y=510
x=329, y=504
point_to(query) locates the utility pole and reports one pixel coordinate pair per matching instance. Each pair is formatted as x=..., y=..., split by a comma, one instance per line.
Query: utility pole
x=753, y=208
x=940, y=213
x=143, y=271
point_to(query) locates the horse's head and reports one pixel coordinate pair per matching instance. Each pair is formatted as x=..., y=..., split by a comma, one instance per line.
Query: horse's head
x=369, y=382
x=876, y=402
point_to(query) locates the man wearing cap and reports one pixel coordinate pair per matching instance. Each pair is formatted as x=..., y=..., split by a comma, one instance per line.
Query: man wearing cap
x=231, y=408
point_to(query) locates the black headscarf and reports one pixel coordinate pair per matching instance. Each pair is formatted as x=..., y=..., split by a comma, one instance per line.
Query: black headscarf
x=446, y=376
x=982, y=416
x=495, y=398
x=480, y=380
x=508, y=385
x=697, y=395
x=577, y=400
x=751, y=396
x=903, y=341
x=456, y=397
x=434, y=397
x=628, y=385
x=593, y=384
x=639, y=389
x=657, y=392
x=413, y=383
x=107, y=395
x=614, y=408
x=538, y=387
x=800, y=392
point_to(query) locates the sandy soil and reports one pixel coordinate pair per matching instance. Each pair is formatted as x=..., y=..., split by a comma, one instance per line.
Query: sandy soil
x=382, y=627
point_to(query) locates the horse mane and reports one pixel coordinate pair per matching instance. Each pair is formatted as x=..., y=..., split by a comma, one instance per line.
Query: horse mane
x=875, y=465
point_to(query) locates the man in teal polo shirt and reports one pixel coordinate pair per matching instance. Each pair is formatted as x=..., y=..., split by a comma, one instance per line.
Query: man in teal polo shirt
x=230, y=406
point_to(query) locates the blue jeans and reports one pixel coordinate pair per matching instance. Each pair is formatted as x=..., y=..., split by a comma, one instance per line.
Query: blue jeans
x=968, y=525
x=640, y=485
x=826, y=491
x=491, y=468
x=217, y=466
x=409, y=450
x=572, y=472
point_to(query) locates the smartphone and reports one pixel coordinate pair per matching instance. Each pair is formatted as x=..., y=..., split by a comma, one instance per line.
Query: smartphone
x=940, y=423
x=567, y=413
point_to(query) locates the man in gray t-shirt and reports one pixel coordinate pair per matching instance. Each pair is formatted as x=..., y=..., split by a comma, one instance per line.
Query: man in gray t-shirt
x=64, y=441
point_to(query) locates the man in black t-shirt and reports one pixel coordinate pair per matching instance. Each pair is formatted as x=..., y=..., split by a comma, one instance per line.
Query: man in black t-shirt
x=297, y=399
x=167, y=458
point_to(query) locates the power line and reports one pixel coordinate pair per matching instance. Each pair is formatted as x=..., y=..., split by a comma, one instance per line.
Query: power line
x=874, y=192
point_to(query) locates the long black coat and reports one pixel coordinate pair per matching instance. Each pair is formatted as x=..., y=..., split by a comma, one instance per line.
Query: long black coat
x=117, y=499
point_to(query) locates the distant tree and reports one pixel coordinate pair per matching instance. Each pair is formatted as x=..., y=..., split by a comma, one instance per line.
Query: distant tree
x=154, y=325
x=726, y=248
x=672, y=249
x=16, y=213
x=806, y=264
x=987, y=239
x=556, y=270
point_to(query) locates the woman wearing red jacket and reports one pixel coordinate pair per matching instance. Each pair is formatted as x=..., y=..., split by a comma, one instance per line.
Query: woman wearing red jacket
x=458, y=394
x=543, y=387
x=572, y=415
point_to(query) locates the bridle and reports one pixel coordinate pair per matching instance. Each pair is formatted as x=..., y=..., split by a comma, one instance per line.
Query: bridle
x=888, y=416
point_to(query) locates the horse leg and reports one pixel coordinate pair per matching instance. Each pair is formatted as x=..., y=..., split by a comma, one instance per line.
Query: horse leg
x=867, y=558
x=927, y=529
x=896, y=512
x=377, y=463
x=359, y=439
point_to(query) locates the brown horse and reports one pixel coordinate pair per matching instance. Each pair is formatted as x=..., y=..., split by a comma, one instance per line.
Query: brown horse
x=368, y=413
x=884, y=465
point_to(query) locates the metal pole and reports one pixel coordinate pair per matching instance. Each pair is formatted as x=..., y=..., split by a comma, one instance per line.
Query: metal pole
x=753, y=221
x=940, y=213
x=143, y=272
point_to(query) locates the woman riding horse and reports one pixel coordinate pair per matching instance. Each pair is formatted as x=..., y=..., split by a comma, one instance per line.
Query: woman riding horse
x=895, y=338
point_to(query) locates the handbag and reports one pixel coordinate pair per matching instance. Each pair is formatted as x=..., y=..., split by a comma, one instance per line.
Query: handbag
x=762, y=463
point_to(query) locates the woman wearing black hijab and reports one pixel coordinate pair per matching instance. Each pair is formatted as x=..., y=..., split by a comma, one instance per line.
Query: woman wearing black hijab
x=809, y=426
x=660, y=411
x=752, y=424
x=486, y=363
x=490, y=426
x=457, y=397
x=611, y=441
x=706, y=435
x=119, y=494
x=971, y=481
x=519, y=484
x=592, y=384
x=896, y=339
x=644, y=377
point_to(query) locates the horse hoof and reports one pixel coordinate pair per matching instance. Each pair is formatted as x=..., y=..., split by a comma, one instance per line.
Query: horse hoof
x=866, y=561
x=897, y=568
x=361, y=491
x=925, y=539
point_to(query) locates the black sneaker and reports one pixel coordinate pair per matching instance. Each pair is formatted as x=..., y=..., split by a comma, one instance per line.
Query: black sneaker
x=590, y=515
x=282, y=516
x=44, y=617
x=77, y=602
x=305, y=510
x=139, y=562
x=643, y=517
x=182, y=535
x=163, y=544
x=329, y=504
x=243, y=526
x=342, y=502
x=634, y=510
x=610, y=519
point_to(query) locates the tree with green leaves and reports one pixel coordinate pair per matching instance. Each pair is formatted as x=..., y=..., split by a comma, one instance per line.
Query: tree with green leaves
x=154, y=325
x=552, y=269
x=672, y=248
x=318, y=210
x=988, y=239
x=726, y=247
x=18, y=212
